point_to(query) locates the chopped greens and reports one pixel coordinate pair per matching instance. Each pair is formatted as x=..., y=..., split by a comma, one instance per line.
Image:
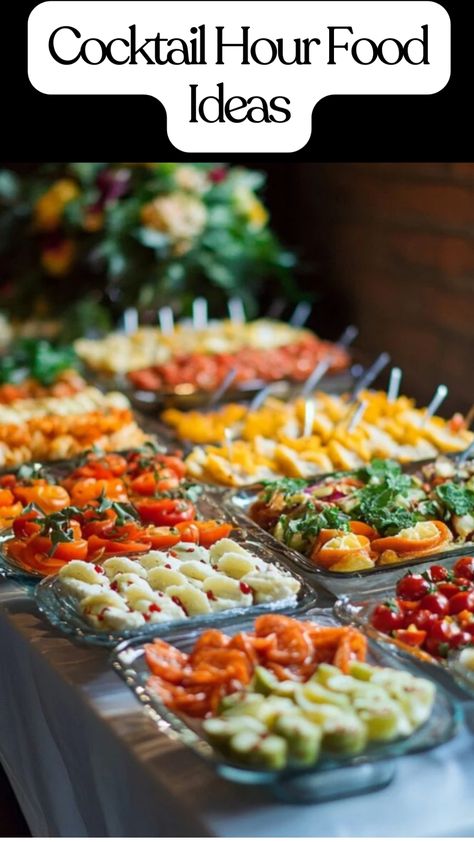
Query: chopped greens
x=36, y=358
x=458, y=500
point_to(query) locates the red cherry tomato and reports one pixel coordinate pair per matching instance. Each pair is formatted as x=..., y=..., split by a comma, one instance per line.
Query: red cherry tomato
x=438, y=573
x=422, y=619
x=462, y=601
x=165, y=512
x=465, y=567
x=436, y=603
x=448, y=589
x=23, y=525
x=387, y=617
x=462, y=638
x=413, y=587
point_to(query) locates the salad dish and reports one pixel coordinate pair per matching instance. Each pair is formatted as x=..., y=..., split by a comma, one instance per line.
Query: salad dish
x=34, y=368
x=369, y=519
x=304, y=438
x=284, y=695
x=103, y=504
x=188, y=580
x=427, y=614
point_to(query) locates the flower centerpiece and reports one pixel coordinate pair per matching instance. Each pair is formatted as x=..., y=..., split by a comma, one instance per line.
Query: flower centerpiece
x=84, y=241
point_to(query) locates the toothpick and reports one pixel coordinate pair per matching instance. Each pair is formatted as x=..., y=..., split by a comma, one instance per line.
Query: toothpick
x=394, y=384
x=236, y=311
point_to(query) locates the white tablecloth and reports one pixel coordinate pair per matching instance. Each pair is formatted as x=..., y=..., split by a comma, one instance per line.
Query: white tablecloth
x=84, y=760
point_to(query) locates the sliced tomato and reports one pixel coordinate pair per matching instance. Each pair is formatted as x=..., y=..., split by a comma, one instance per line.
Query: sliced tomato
x=411, y=637
x=164, y=537
x=99, y=545
x=87, y=489
x=211, y=531
x=50, y=498
x=189, y=532
x=165, y=512
x=6, y=497
x=24, y=526
x=152, y=482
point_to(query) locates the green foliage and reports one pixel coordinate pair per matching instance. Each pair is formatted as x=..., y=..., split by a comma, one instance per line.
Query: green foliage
x=83, y=240
x=36, y=358
x=458, y=499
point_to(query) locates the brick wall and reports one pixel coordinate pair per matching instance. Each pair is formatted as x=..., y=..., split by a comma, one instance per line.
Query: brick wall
x=393, y=250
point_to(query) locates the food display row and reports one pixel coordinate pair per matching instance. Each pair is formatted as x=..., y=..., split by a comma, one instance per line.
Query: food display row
x=214, y=598
x=302, y=438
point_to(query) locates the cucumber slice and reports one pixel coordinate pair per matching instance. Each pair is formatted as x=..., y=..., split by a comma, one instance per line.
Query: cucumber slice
x=303, y=738
x=344, y=734
x=272, y=752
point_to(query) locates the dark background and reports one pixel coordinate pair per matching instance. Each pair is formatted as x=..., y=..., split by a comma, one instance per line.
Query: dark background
x=355, y=128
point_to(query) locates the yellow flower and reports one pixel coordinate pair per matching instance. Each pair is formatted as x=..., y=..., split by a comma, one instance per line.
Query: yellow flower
x=251, y=208
x=50, y=206
x=57, y=260
x=181, y=216
x=93, y=220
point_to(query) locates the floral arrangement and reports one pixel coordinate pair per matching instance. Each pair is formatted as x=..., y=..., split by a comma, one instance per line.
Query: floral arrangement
x=88, y=240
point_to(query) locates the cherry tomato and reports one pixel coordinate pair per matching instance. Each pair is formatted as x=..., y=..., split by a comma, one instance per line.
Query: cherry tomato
x=23, y=525
x=462, y=601
x=164, y=537
x=150, y=483
x=87, y=489
x=448, y=589
x=462, y=584
x=50, y=498
x=8, y=480
x=104, y=467
x=436, y=603
x=422, y=619
x=387, y=617
x=413, y=587
x=464, y=567
x=462, y=638
x=98, y=526
x=165, y=512
x=438, y=573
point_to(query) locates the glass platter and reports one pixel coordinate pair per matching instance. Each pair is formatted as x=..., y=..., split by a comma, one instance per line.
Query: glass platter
x=237, y=502
x=60, y=609
x=357, y=610
x=332, y=777
x=186, y=396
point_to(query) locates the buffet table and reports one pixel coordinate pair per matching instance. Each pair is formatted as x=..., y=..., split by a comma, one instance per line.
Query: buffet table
x=84, y=759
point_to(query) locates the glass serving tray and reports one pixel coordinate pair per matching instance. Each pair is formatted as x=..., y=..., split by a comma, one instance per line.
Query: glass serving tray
x=187, y=396
x=333, y=776
x=61, y=610
x=237, y=503
x=358, y=610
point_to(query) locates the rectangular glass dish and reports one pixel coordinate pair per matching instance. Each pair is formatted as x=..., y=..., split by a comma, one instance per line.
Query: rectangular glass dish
x=238, y=501
x=333, y=776
x=61, y=610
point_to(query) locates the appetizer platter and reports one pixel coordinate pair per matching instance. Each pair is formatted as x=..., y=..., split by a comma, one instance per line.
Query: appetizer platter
x=306, y=437
x=351, y=525
x=428, y=614
x=270, y=700
x=186, y=364
x=98, y=505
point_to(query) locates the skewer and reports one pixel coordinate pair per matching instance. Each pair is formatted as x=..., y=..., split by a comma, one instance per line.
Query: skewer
x=357, y=416
x=320, y=369
x=261, y=397
x=465, y=454
x=394, y=384
x=166, y=320
x=200, y=313
x=309, y=413
x=222, y=389
x=370, y=374
x=300, y=314
x=130, y=320
x=469, y=417
x=236, y=311
x=436, y=401
x=228, y=436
